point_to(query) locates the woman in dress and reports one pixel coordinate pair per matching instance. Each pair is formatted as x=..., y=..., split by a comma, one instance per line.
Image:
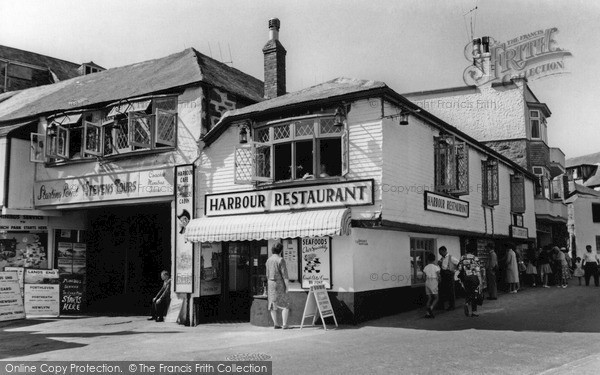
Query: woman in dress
x=512, y=269
x=278, y=285
x=544, y=266
x=470, y=270
x=531, y=270
x=564, y=271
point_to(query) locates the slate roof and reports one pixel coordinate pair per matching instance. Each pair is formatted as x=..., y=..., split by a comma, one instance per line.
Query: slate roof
x=590, y=159
x=61, y=68
x=176, y=70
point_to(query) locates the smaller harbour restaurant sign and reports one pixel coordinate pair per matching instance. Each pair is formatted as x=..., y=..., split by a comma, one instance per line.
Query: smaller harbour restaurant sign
x=446, y=205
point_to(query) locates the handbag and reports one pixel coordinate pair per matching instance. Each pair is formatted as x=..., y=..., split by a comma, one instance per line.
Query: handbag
x=522, y=267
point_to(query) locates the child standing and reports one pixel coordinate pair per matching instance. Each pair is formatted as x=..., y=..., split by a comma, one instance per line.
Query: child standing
x=578, y=273
x=432, y=277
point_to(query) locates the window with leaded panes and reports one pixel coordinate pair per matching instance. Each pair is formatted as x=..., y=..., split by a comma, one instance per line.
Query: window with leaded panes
x=489, y=182
x=451, y=159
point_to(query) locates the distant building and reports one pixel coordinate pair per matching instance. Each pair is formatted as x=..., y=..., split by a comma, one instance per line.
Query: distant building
x=21, y=69
x=584, y=170
x=510, y=119
x=584, y=218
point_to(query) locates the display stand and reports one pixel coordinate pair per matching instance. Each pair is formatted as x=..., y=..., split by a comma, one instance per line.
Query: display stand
x=318, y=304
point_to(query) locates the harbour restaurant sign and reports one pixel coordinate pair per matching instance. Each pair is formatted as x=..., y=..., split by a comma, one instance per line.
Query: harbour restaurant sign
x=446, y=205
x=352, y=193
x=139, y=184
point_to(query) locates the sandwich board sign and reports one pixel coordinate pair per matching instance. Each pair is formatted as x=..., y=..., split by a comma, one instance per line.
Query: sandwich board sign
x=318, y=305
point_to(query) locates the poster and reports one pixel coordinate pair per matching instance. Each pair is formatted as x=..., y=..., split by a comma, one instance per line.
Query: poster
x=184, y=208
x=210, y=268
x=71, y=294
x=11, y=301
x=79, y=256
x=42, y=293
x=290, y=254
x=316, y=261
x=20, y=277
x=65, y=257
x=23, y=250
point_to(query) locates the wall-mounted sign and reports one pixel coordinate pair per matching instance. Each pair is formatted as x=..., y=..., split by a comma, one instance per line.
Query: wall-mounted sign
x=184, y=210
x=519, y=232
x=109, y=187
x=23, y=223
x=290, y=254
x=316, y=261
x=352, y=193
x=440, y=203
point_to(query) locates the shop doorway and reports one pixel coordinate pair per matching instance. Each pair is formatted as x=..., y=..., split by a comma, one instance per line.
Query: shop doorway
x=243, y=277
x=128, y=248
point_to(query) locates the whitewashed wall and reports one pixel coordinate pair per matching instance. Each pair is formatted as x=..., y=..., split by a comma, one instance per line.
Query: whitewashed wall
x=585, y=230
x=20, y=180
x=485, y=113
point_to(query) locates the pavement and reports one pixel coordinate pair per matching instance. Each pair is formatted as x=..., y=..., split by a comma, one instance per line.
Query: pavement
x=536, y=331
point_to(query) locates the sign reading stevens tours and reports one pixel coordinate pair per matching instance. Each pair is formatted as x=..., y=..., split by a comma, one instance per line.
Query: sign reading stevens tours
x=446, y=205
x=139, y=184
x=352, y=193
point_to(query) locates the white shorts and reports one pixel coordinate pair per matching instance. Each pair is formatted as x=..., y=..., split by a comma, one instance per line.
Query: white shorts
x=431, y=286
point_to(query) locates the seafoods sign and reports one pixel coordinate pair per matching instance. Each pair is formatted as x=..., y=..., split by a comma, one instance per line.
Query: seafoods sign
x=316, y=261
x=446, y=205
x=352, y=193
x=139, y=184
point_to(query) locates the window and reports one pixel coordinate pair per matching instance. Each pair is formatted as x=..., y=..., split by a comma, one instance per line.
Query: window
x=517, y=193
x=557, y=188
x=596, y=212
x=543, y=185
x=419, y=248
x=534, y=119
x=490, y=193
x=64, y=136
x=301, y=149
x=597, y=244
x=451, y=160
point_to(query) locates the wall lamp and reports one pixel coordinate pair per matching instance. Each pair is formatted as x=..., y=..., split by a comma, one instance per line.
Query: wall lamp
x=339, y=117
x=244, y=132
x=403, y=116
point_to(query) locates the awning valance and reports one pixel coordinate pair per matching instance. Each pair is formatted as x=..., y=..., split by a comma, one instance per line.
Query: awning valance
x=129, y=107
x=270, y=226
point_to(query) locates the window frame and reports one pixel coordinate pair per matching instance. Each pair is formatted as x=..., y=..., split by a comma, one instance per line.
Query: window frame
x=415, y=280
x=490, y=176
x=538, y=118
x=595, y=212
x=517, y=186
x=451, y=165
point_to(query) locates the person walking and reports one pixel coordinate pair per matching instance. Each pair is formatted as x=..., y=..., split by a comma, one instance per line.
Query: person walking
x=512, y=268
x=531, y=270
x=491, y=274
x=564, y=271
x=278, y=286
x=160, y=303
x=590, y=265
x=470, y=275
x=432, y=280
x=447, y=264
x=544, y=266
x=578, y=273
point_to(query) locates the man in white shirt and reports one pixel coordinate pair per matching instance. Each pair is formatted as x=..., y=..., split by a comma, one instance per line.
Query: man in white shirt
x=448, y=265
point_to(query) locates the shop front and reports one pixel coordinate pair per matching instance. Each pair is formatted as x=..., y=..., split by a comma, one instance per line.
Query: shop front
x=239, y=229
x=113, y=236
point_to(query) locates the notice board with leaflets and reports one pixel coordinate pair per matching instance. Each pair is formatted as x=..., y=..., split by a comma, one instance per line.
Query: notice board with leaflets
x=42, y=293
x=11, y=301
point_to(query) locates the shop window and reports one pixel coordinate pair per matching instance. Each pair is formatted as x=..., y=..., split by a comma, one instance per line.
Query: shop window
x=451, y=158
x=419, y=248
x=517, y=193
x=596, y=212
x=304, y=149
x=490, y=189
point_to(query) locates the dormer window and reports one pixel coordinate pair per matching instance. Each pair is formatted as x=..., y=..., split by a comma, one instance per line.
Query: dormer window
x=537, y=125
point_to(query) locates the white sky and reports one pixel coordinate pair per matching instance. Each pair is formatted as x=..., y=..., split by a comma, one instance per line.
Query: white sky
x=411, y=45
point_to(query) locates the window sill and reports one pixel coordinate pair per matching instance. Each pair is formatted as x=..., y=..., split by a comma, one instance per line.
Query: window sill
x=109, y=157
x=291, y=183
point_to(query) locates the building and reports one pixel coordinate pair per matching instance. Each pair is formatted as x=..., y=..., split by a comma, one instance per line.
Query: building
x=584, y=170
x=509, y=118
x=584, y=218
x=112, y=170
x=21, y=69
x=358, y=183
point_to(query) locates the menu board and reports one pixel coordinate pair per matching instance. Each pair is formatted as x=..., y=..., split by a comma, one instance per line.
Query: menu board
x=71, y=294
x=290, y=254
x=11, y=301
x=316, y=261
x=41, y=293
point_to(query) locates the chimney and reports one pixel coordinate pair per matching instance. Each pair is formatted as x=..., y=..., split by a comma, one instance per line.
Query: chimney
x=274, y=62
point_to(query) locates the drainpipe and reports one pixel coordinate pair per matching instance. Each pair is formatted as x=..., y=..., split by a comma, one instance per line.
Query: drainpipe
x=4, y=198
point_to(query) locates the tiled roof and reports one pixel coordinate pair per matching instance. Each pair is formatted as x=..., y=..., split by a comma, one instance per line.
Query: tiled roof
x=176, y=70
x=590, y=159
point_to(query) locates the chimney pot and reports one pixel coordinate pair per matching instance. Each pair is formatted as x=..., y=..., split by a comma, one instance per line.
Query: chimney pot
x=485, y=43
x=274, y=25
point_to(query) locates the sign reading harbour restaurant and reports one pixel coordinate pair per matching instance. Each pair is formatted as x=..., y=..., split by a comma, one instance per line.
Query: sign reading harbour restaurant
x=519, y=232
x=446, y=205
x=352, y=193
x=98, y=188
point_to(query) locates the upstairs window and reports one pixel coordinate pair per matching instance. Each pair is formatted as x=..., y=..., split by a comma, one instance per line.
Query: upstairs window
x=543, y=185
x=490, y=189
x=302, y=149
x=534, y=120
x=596, y=212
x=451, y=158
x=144, y=125
x=517, y=193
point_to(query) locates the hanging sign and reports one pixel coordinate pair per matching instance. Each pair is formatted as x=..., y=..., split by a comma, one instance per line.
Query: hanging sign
x=184, y=209
x=318, y=305
x=316, y=261
x=11, y=301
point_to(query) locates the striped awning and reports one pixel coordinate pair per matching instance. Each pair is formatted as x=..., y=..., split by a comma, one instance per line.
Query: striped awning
x=270, y=226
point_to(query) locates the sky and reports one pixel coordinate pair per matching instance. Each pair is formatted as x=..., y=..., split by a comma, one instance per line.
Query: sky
x=411, y=45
